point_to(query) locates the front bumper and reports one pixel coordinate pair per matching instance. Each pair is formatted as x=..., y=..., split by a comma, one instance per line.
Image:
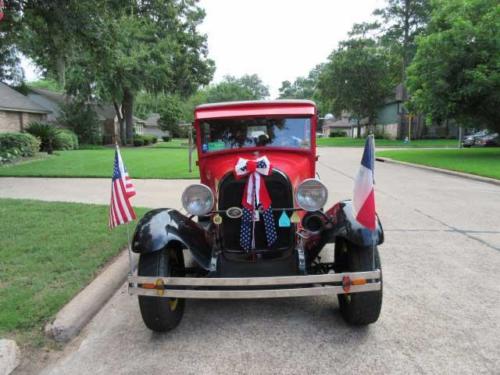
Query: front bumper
x=255, y=287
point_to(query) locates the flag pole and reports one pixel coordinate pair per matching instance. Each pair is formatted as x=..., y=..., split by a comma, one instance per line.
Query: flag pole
x=373, y=247
x=130, y=262
x=129, y=247
x=375, y=229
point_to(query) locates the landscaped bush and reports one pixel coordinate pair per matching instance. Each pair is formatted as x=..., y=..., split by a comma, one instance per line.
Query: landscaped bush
x=82, y=119
x=66, y=140
x=138, y=141
x=16, y=145
x=166, y=138
x=150, y=139
x=47, y=134
x=337, y=133
x=144, y=139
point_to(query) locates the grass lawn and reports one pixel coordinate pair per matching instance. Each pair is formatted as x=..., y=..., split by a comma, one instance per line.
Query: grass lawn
x=163, y=160
x=49, y=251
x=355, y=142
x=174, y=143
x=478, y=161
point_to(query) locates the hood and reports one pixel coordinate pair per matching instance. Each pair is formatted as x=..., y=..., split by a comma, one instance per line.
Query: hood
x=297, y=165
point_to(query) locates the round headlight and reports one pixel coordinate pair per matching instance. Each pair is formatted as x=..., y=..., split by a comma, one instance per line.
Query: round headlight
x=311, y=195
x=198, y=199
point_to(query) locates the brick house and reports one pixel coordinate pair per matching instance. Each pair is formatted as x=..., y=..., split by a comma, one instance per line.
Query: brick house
x=18, y=111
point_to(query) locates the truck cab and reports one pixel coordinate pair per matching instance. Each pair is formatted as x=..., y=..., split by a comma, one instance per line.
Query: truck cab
x=256, y=223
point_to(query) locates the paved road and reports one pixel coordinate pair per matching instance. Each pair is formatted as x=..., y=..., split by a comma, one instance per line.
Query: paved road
x=441, y=310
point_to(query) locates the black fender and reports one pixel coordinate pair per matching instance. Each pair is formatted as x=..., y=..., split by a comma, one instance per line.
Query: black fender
x=343, y=224
x=164, y=226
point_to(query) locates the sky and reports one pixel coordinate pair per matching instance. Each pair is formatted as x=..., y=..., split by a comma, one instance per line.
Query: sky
x=277, y=39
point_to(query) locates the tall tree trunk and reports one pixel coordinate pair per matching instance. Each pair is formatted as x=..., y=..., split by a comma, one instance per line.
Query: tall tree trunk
x=128, y=114
x=359, y=128
x=121, y=121
x=61, y=70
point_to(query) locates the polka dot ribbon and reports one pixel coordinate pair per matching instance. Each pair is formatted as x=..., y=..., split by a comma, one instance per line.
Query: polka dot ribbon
x=255, y=196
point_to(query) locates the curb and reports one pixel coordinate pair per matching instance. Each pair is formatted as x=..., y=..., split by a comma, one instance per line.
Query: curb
x=440, y=170
x=10, y=356
x=70, y=320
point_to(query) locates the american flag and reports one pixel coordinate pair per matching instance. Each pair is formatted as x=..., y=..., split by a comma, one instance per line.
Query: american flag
x=122, y=189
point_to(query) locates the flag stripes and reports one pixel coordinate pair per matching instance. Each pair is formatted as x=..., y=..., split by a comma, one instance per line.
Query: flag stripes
x=122, y=189
x=364, y=194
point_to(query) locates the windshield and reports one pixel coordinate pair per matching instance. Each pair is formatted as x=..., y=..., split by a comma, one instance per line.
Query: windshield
x=224, y=134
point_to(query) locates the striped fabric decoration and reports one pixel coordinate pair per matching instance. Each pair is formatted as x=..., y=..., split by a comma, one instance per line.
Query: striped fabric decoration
x=122, y=189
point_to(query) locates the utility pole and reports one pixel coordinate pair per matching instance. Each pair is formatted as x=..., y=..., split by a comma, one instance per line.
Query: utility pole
x=410, y=117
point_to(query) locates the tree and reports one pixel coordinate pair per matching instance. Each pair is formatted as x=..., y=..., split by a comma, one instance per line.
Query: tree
x=10, y=69
x=54, y=31
x=403, y=21
x=356, y=79
x=302, y=87
x=254, y=84
x=305, y=88
x=247, y=87
x=455, y=73
x=81, y=118
x=145, y=46
x=170, y=115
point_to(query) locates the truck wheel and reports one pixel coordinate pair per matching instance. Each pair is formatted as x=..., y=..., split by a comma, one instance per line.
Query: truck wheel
x=358, y=308
x=161, y=314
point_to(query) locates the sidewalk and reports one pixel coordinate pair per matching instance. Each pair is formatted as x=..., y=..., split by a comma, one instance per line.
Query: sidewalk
x=150, y=193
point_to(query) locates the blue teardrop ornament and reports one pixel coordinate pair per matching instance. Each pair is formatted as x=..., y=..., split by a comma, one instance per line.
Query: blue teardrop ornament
x=284, y=221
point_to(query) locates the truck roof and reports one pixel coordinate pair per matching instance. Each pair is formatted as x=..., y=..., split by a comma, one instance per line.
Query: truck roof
x=256, y=108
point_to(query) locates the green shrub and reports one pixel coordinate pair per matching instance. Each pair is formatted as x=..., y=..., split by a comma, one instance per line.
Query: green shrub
x=149, y=139
x=166, y=138
x=16, y=145
x=138, y=141
x=81, y=118
x=337, y=133
x=47, y=134
x=66, y=140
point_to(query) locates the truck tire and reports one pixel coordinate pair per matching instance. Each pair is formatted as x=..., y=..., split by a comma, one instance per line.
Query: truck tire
x=358, y=308
x=161, y=314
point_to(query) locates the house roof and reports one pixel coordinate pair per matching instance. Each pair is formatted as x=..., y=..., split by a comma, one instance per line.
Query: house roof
x=58, y=97
x=104, y=111
x=152, y=120
x=11, y=100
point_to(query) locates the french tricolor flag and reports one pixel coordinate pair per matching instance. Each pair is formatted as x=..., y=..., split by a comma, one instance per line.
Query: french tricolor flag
x=364, y=194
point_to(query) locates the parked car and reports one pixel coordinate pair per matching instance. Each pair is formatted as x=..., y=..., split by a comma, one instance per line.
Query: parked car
x=470, y=140
x=256, y=223
x=490, y=140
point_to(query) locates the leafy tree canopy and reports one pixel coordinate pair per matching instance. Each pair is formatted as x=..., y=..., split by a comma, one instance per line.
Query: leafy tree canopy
x=305, y=88
x=10, y=69
x=170, y=115
x=455, y=73
x=356, y=79
x=247, y=87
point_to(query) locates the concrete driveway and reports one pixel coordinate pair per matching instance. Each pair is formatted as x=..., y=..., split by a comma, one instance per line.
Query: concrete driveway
x=440, y=315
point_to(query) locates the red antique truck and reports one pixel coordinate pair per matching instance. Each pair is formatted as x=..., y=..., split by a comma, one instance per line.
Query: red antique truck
x=256, y=223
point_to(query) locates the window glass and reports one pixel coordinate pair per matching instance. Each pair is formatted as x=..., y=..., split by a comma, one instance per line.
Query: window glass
x=227, y=134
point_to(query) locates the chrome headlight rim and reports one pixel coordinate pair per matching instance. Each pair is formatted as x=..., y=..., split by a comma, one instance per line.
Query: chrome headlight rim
x=309, y=208
x=185, y=199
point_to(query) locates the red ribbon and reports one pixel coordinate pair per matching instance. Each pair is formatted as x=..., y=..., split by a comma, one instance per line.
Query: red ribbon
x=255, y=185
